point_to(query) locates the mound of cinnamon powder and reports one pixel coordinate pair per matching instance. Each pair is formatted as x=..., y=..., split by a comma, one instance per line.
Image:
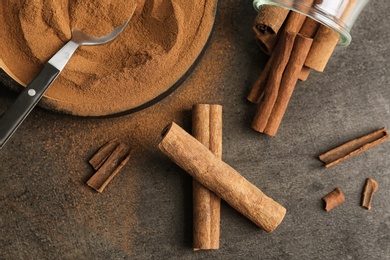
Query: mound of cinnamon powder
x=161, y=42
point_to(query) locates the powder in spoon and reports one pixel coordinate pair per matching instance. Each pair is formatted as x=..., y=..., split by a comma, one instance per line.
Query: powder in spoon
x=162, y=40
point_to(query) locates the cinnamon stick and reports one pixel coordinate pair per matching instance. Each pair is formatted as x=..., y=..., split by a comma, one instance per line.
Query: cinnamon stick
x=279, y=62
x=257, y=90
x=115, y=162
x=354, y=147
x=103, y=153
x=304, y=74
x=334, y=199
x=309, y=27
x=294, y=22
x=369, y=189
x=290, y=77
x=207, y=129
x=270, y=19
x=267, y=24
x=324, y=43
x=267, y=42
x=193, y=157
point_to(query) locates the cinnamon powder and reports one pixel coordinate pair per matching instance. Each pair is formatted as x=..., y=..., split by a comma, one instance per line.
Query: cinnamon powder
x=162, y=40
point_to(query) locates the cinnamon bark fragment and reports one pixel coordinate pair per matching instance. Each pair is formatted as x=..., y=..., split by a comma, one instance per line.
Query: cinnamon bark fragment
x=110, y=168
x=267, y=24
x=193, y=157
x=354, y=147
x=334, y=199
x=369, y=189
x=290, y=77
x=103, y=153
x=207, y=129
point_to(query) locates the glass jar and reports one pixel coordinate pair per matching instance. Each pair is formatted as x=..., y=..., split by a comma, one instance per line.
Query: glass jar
x=339, y=15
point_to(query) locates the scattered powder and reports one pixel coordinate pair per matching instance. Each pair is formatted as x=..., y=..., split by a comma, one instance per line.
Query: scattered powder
x=161, y=42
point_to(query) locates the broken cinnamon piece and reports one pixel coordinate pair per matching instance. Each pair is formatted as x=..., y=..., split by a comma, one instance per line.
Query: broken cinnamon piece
x=207, y=129
x=114, y=163
x=267, y=24
x=282, y=55
x=369, y=189
x=198, y=161
x=103, y=153
x=304, y=74
x=354, y=147
x=334, y=199
x=290, y=77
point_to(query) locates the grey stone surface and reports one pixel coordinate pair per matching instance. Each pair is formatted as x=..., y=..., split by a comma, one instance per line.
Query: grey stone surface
x=47, y=212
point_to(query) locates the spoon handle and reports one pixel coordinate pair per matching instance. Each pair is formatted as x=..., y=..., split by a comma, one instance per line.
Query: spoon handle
x=26, y=101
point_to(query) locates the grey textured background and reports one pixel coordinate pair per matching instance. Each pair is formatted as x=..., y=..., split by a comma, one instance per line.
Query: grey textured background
x=47, y=212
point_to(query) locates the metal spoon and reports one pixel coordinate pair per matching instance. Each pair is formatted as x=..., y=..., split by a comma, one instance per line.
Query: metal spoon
x=30, y=96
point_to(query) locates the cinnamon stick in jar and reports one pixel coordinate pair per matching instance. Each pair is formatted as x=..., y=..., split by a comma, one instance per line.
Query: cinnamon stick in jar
x=308, y=29
x=290, y=77
x=207, y=129
x=267, y=24
x=325, y=42
x=193, y=157
x=270, y=19
x=282, y=55
x=270, y=78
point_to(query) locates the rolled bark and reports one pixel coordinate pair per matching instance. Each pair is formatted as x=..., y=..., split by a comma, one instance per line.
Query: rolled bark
x=334, y=199
x=368, y=193
x=354, y=147
x=257, y=90
x=267, y=42
x=193, y=157
x=290, y=77
x=270, y=19
x=304, y=74
x=103, y=153
x=309, y=28
x=282, y=55
x=110, y=168
x=207, y=129
x=267, y=25
x=324, y=43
